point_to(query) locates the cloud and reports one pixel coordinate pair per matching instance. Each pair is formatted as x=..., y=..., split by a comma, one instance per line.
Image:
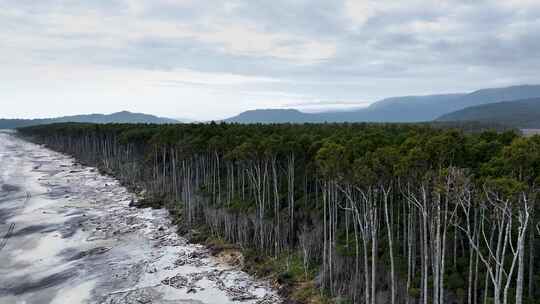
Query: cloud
x=251, y=53
x=329, y=103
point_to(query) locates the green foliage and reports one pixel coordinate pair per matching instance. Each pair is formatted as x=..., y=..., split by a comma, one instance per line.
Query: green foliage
x=460, y=293
x=257, y=212
x=454, y=281
x=342, y=301
x=237, y=205
x=359, y=152
x=343, y=247
x=414, y=292
x=332, y=159
x=505, y=187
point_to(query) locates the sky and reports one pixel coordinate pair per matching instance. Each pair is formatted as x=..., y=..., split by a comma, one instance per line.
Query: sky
x=205, y=60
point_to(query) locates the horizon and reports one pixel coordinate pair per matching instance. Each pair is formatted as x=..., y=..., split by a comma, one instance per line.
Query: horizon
x=327, y=109
x=208, y=61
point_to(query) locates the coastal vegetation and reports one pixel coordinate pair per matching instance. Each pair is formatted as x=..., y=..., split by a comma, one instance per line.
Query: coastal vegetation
x=354, y=213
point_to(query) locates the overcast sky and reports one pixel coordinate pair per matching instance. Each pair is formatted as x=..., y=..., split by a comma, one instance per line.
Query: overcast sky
x=212, y=59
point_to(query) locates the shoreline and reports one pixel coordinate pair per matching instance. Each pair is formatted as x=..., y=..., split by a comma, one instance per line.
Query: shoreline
x=261, y=267
x=127, y=253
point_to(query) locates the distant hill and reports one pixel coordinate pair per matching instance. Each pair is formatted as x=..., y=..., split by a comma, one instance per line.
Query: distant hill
x=523, y=114
x=119, y=117
x=396, y=109
x=411, y=108
x=275, y=116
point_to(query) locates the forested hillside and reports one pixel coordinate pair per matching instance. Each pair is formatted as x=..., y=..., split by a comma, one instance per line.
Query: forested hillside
x=396, y=109
x=364, y=212
x=118, y=117
x=524, y=114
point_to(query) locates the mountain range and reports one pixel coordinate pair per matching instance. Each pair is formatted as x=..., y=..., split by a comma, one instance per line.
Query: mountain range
x=119, y=117
x=523, y=114
x=515, y=106
x=395, y=109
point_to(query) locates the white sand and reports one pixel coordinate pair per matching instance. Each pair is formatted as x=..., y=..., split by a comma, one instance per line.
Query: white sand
x=75, y=240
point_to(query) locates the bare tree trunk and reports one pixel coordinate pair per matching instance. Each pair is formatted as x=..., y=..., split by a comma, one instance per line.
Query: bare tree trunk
x=524, y=222
x=530, y=291
x=391, y=246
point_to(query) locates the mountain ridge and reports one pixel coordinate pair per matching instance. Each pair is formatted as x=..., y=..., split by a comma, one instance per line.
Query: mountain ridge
x=524, y=114
x=395, y=109
x=116, y=117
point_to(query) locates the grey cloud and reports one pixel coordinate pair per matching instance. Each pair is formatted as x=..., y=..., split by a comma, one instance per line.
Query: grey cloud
x=401, y=49
x=315, y=17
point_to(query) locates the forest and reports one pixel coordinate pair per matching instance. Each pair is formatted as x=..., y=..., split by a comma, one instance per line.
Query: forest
x=369, y=213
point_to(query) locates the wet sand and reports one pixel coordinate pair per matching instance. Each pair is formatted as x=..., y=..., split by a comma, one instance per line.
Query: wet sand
x=68, y=235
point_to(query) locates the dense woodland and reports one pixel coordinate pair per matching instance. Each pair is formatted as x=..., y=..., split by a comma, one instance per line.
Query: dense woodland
x=372, y=213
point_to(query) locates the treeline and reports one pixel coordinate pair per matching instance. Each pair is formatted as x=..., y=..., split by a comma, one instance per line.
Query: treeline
x=373, y=213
